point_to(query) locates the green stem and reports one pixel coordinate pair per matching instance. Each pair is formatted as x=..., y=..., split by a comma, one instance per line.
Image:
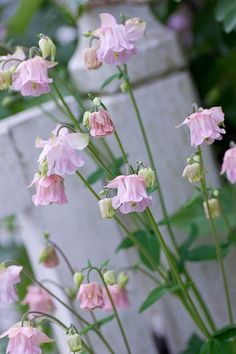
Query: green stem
x=216, y=239
x=189, y=303
x=115, y=312
x=121, y=147
x=42, y=314
x=63, y=256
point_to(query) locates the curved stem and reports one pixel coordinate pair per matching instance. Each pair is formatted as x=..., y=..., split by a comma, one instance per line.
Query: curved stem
x=216, y=239
x=63, y=256
x=121, y=147
x=42, y=314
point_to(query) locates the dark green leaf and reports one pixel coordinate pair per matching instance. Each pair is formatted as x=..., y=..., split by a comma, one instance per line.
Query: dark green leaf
x=156, y=294
x=104, y=263
x=125, y=243
x=190, y=240
x=194, y=345
x=205, y=253
x=116, y=165
x=226, y=12
x=110, y=79
x=95, y=176
x=212, y=347
x=226, y=333
x=97, y=324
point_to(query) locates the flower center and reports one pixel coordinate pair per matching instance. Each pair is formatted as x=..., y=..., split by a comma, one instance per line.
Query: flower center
x=34, y=85
x=116, y=55
x=133, y=204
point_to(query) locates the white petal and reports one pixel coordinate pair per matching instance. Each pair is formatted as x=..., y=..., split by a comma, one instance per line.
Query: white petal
x=78, y=141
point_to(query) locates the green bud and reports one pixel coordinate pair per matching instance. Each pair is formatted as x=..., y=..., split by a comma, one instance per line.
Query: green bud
x=214, y=207
x=97, y=101
x=74, y=343
x=109, y=277
x=215, y=193
x=2, y=266
x=47, y=47
x=106, y=209
x=148, y=176
x=122, y=279
x=124, y=87
x=192, y=172
x=86, y=119
x=78, y=279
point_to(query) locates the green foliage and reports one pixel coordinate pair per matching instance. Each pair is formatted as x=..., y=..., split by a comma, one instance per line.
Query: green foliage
x=226, y=12
x=97, y=324
x=99, y=173
x=110, y=79
x=194, y=345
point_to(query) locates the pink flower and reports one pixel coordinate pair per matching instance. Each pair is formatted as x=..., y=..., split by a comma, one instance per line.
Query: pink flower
x=90, y=58
x=31, y=77
x=48, y=190
x=9, y=60
x=38, y=300
x=25, y=340
x=60, y=151
x=8, y=278
x=204, y=126
x=229, y=164
x=101, y=124
x=119, y=297
x=116, y=41
x=49, y=257
x=90, y=296
x=131, y=194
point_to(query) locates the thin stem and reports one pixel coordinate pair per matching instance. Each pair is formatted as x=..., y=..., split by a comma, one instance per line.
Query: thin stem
x=63, y=256
x=189, y=303
x=108, y=149
x=42, y=314
x=216, y=239
x=121, y=147
x=115, y=312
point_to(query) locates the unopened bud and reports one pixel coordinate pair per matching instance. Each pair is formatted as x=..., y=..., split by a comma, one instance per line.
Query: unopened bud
x=86, y=119
x=214, y=207
x=78, y=279
x=122, y=279
x=90, y=58
x=196, y=158
x=109, y=277
x=49, y=257
x=105, y=206
x=148, y=176
x=2, y=266
x=192, y=172
x=97, y=101
x=215, y=193
x=5, y=79
x=74, y=342
x=124, y=86
x=47, y=47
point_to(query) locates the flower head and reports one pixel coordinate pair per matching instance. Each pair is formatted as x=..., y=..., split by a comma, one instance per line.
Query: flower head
x=25, y=340
x=90, y=296
x=131, y=194
x=229, y=164
x=90, y=58
x=8, y=278
x=31, y=77
x=48, y=190
x=106, y=209
x=204, y=126
x=38, y=299
x=116, y=41
x=49, y=257
x=119, y=297
x=101, y=124
x=60, y=151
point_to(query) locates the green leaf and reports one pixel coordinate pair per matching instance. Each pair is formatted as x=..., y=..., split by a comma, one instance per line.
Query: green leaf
x=226, y=12
x=104, y=263
x=213, y=346
x=156, y=294
x=125, y=243
x=95, y=176
x=19, y=22
x=190, y=240
x=97, y=324
x=117, y=164
x=226, y=333
x=194, y=345
x=110, y=79
x=205, y=253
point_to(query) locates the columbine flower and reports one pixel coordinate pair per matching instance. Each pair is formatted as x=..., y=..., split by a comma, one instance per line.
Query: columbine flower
x=38, y=300
x=60, y=151
x=49, y=257
x=204, y=126
x=90, y=296
x=31, y=77
x=131, y=194
x=106, y=209
x=116, y=41
x=10, y=60
x=25, y=340
x=8, y=278
x=48, y=190
x=192, y=172
x=229, y=164
x=119, y=297
x=101, y=124
x=90, y=58
x=148, y=175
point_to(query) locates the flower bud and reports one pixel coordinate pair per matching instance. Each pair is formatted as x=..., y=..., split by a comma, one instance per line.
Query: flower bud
x=192, y=172
x=74, y=343
x=78, y=279
x=49, y=257
x=47, y=47
x=214, y=206
x=105, y=206
x=5, y=79
x=109, y=277
x=122, y=279
x=86, y=119
x=124, y=87
x=148, y=176
x=97, y=101
x=90, y=58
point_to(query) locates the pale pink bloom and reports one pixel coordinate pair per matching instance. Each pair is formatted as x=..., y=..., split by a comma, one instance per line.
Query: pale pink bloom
x=48, y=190
x=9, y=60
x=119, y=296
x=90, y=296
x=25, y=340
x=31, y=77
x=9, y=277
x=116, y=41
x=131, y=194
x=60, y=151
x=229, y=164
x=90, y=58
x=204, y=126
x=49, y=257
x=38, y=299
x=181, y=21
x=101, y=124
